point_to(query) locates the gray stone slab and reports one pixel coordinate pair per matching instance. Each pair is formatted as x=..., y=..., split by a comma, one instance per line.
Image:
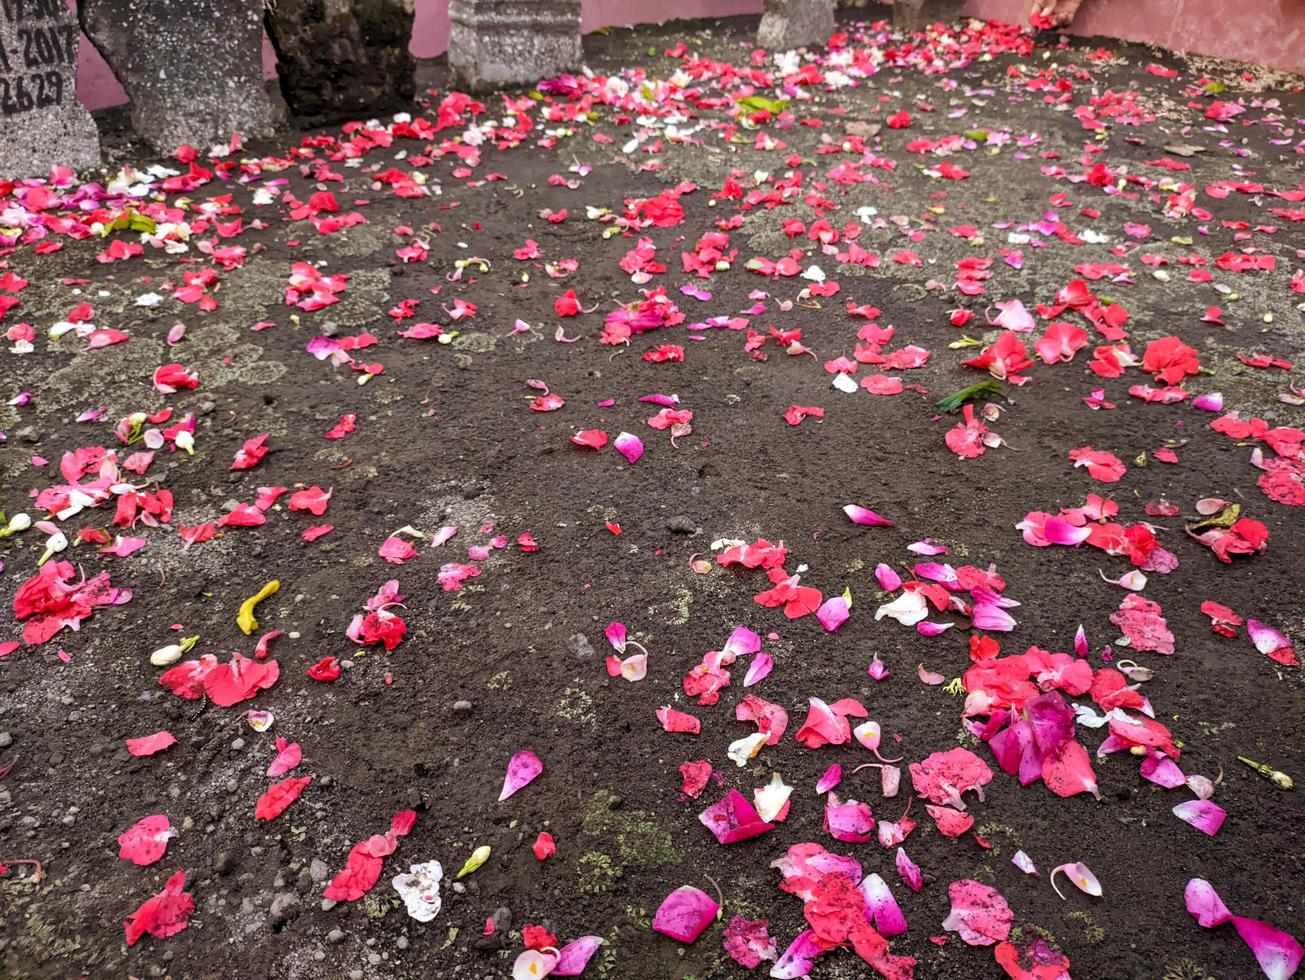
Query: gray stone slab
x=193, y=69
x=41, y=122
x=795, y=23
x=512, y=42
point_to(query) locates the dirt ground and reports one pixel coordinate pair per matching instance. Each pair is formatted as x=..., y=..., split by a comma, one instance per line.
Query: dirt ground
x=514, y=658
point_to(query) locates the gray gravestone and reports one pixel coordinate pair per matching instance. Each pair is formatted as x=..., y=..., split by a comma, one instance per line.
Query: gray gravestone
x=41, y=121
x=795, y=23
x=193, y=69
x=510, y=42
x=338, y=58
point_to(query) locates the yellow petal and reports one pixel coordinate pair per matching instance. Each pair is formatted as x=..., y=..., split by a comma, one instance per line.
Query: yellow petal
x=245, y=618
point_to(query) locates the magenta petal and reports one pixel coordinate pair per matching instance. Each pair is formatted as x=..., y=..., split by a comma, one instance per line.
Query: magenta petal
x=909, y=871
x=878, y=669
x=980, y=915
x=888, y=579
x=990, y=617
x=685, y=913
x=799, y=959
x=864, y=516
x=1205, y=815
x=615, y=634
x=832, y=777
x=733, y=819
x=1080, y=642
x=833, y=613
x=1265, y=637
x=575, y=955
x=1058, y=531
x=882, y=908
x=926, y=628
x=1205, y=905
x=927, y=547
x=851, y=822
x=936, y=572
x=1162, y=771
x=631, y=447
x=521, y=770
x=759, y=669
x=742, y=642
x=1209, y=402
x=1276, y=951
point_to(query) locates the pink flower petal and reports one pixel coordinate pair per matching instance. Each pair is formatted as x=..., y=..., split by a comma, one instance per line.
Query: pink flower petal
x=523, y=768
x=575, y=955
x=1277, y=952
x=1205, y=815
x=832, y=777
x=833, y=613
x=864, y=516
x=882, y=908
x=631, y=447
x=685, y=913
x=928, y=676
x=909, y=871
x=1162, y=771
x=979, y=913
x=1205, y=905
x=759, y=669
x=888, y=579
x=733, y=819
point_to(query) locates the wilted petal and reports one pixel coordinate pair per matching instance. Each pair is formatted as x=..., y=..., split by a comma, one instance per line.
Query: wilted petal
x=909, y=871
x=1024, y=863
x=1081, y=875
x=908, y=609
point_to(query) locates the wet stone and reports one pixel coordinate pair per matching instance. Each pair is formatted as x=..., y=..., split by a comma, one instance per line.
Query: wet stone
x=510, y=42
x=342, y=58
x=681, y=524
x=41, y=122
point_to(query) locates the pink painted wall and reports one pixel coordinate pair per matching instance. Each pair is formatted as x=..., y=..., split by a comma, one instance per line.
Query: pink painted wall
x=1266, y=32
x=1270, y=32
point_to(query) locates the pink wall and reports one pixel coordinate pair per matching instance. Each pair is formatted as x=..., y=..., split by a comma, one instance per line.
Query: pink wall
x=1270, y=32
x=1267, y=32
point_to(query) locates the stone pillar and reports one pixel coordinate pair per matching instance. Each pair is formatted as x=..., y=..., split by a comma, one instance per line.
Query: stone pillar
x=342, y=58
x=512, y=42
x=795, y=23
x=193, y=69
x=913, y=15
x=41, y=122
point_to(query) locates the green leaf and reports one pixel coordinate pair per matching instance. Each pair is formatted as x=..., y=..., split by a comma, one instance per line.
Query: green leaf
x=759, y=103
x=978, y=135
x=1215, y=88
x=989, y=388
x=130, y=220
